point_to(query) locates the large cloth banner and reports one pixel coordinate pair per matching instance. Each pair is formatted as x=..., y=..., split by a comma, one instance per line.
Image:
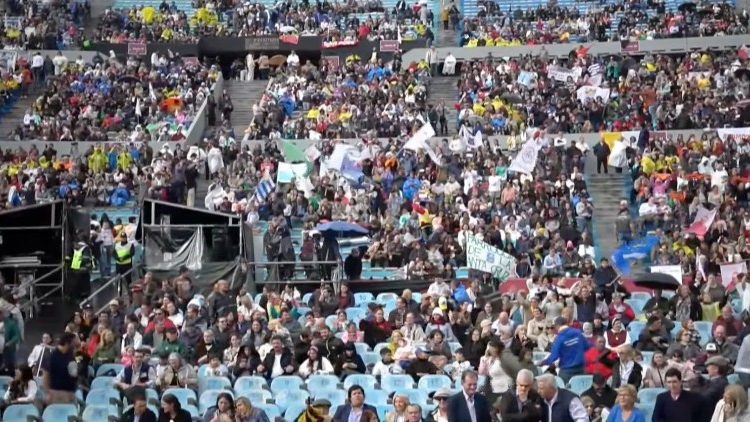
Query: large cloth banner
x=730, y=270
x=562, y=74
x=738, y=133
x=702, y=222
x=592, y=93
x=483, y=257
x=525, y=161
x=419, y=141
x=288, y=172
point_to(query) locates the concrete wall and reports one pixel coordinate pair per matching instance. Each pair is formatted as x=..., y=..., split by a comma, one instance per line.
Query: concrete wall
x=200, y=121
x=671, y=45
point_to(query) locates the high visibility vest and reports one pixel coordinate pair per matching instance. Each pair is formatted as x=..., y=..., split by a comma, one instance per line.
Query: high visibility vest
x=77, y=260
x=123, y=253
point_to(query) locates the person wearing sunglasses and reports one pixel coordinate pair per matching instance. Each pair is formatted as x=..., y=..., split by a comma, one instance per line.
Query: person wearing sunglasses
x=440, y=414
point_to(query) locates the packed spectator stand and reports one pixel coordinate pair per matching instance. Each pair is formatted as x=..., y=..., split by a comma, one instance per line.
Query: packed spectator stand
x=130, y=21
x=589, y=22
x=44, y=25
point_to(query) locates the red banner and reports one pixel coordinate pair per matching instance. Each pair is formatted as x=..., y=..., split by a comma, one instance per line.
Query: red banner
x=289, y=39
x=388, y=46
x=137, y=49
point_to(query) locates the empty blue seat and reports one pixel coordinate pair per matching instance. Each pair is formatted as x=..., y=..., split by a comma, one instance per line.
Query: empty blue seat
x=258, y=396
x=362, y=348
x=286, y=382
x=376, y=397
x=636, y=304
x=59, y=412
x=391, y=383
x=704, y=328
x=580, y=383
x=272, y=411
x=384, y=298
x=648, y=409
x=648, y=357
x=383, y=411
x=103, y=397
x=363, y=298
x=355, y=314
x=97, y=413
x=644, y=296
x=648, y=395
x=336, y=397
x=249, y=383
x=635, y=328
x=102, y=382
x=306, y=298
x=331, y=321
x=378, y=347
x=327, y=382
x=285, y=399
x=370, y=358
x=214, y=383
x=20, y=412
x=368, y=382
x=432, y=383
x=733, y=379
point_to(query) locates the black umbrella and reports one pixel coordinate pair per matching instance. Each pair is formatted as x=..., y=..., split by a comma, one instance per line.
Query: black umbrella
x=128, y=79
x=687, y=7
x=656, y=281
x=742, y=72
x=512, y=98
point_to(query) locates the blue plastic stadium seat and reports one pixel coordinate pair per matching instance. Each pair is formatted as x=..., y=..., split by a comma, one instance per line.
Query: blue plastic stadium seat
x=20, y=412
x=103, y=397
x=648, y=409
x=362, y=348
x=391, y=383
x=383, y=410
x=733, y=379
x=111, y=368
x=417, y=297
x=331, y=321
x=376, y=397
x=370, y=358
x=185, y=396
x=648, y=357
x=580, y=383
x=286, y=382
x=102, y=382
x=214, y=383
x=307, y=297
x=208, y=398
x=648, y=395
x=355, y=314
x=97, y=413
x=363, y=298
x=327, y=382
x=636, y=304
x=258, y=396
x=384, y=298
x=335, y=396
x=365, y=381
x=272, y=411
x=635, y=328
x=432, y=383
x=59, y=412
x=294, y=410
x=249, y=383
x=415, y=396
x=704, y=328
x=378, y=347
x=285, y=399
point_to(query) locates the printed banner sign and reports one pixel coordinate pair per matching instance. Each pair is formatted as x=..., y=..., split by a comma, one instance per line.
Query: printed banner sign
x=388, y=46
x=730, y=270
x=630, y=46
x=483, y=257
x=673, y=270
x=562, y=74
x=738, y=133
x=702, y=222
x=339, y=44
x=525, y=161
x=592, y=93
x=137, y=49
x=289, y=39
x=526, y=78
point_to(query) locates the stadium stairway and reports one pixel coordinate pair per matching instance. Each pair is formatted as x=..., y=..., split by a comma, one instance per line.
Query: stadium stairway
x=443, y=88
x=606, y=191
x=244, y=94
x=14, y=116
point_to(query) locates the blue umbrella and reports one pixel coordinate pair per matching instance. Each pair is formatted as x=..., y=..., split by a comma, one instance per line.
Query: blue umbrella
x=341, y=229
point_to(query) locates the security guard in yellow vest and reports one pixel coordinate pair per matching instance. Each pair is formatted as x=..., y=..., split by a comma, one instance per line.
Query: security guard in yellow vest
x=80, y=265
x=124, y=252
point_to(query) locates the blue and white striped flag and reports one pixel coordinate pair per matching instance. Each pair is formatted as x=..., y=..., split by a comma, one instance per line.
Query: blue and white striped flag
x=265, y=187
x=595, y=69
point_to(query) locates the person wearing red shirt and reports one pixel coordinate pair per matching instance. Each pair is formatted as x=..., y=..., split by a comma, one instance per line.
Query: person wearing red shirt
x=159, y=317
x=599, y=360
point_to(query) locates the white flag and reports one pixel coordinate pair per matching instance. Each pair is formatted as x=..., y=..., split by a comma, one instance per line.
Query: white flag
x=138, y=111
x=484, y=257
x=419, y=141
x=525, y=161
x=151, y=92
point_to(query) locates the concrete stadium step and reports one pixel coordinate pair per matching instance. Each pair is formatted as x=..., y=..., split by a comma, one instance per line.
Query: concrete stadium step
x=606, y=191
x=244, y=94
x=10, y=121
x=443, y=89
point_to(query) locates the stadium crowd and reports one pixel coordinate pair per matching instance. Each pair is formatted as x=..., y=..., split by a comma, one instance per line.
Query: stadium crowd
x=582, y=93
x=337, y=22
x=630, y=21
x=44, y=25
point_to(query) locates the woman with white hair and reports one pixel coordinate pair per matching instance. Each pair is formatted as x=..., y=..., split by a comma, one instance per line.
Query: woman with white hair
x=733, y=407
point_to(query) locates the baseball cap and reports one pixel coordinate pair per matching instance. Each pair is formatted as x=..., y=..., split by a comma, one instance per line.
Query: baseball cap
x=711, y=347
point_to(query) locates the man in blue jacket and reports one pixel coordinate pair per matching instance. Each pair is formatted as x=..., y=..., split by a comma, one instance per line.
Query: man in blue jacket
x=569, y=347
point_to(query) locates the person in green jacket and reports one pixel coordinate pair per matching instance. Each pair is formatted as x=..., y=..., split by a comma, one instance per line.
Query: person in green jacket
x=171, y=344
x=98, y=161
x=12, y=339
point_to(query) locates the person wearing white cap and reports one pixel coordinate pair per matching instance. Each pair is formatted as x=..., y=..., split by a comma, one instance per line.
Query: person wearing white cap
x=440, y=414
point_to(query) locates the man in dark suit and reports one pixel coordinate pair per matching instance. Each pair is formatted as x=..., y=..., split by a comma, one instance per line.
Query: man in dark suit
x=139, y=412
x=677, y=404
x=468, y=406
x=356, y=406
x=522, y=405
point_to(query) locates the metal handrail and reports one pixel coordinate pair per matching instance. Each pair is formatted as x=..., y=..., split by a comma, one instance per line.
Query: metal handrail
x=114, y=279
x=26, y=284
